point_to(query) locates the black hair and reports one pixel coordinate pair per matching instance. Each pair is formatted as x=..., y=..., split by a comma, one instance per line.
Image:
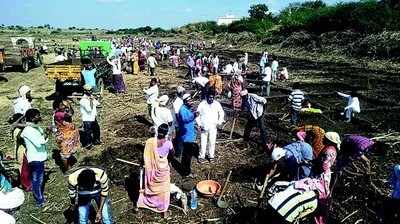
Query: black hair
x=15, y=118
x=31, y=113
x=162, y=131
x=154, y=80
x=86, y=179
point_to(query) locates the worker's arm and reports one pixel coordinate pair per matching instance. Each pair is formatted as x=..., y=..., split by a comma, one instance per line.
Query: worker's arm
x=343, y=95
x=104, y=184
x=108, y=60
x=366, y=161
x=221, y=114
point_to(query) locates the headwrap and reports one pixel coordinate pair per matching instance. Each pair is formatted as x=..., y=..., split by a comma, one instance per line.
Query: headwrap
x=334, y=137
x=23, y=90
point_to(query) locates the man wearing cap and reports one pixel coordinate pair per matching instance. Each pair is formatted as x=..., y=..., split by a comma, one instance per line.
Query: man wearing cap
x=160, y=114
x=255, y=106
x=88, y=107
x=23, y=102
x=210, y=116
x=151, y=94
x=187, y=134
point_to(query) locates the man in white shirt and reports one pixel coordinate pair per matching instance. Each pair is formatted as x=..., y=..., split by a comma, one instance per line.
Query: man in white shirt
x=210, y=116
x=215, y=63
x=274, y=68
x=254, y=104
x=88, y=107
x=353, y=105
x=228, y=69
x=60, y=57
x=35, y=139
x=151, y=94
x=162, y=115
x=176, y=106
x=266, y=81
x=23, y=102
x=152, y=62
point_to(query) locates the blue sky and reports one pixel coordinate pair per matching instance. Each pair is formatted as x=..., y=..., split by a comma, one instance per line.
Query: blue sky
x=114, y=14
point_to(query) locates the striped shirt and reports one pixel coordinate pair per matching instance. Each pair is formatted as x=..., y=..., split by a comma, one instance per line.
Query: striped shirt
x=294, y=204
x=296, y=98
x=101, y=186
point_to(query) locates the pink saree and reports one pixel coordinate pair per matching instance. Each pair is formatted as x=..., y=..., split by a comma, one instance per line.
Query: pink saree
x=156, y=193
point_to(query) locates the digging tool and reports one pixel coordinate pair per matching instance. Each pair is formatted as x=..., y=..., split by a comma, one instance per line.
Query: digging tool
x=127, y=162
x=221, y=203
x=263, y=191
x=233, y=127
x=141, y=180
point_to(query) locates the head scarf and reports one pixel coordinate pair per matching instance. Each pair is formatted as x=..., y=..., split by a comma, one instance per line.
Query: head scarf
x=278, y=153
x=23, y=90
x=334, y=137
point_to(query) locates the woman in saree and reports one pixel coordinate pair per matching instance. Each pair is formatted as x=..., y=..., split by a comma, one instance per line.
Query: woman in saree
x=142, y=61
x=135, y=63
x=67, y=135
x=156, y=192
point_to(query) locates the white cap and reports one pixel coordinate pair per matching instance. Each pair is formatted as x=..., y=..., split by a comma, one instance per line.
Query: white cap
x=163, y=100
x=186, y=96
x=23, y=90
x=278, y=153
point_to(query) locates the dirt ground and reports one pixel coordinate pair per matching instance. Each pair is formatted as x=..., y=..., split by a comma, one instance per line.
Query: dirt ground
x=124, y=126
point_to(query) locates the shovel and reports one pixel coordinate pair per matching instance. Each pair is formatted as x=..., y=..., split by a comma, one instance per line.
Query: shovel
x=260, y=198
x=221, y=203
x=233, y=127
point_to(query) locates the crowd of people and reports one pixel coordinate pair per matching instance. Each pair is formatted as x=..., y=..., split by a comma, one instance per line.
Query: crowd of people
x=298, y=177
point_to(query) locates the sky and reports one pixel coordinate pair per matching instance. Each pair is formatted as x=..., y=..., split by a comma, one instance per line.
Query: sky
x=115, y=14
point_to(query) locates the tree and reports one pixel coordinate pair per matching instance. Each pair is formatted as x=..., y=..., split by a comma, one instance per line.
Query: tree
x=259, y=11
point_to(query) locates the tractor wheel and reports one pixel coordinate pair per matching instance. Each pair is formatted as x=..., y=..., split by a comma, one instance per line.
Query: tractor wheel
x=25, y=65
x=100, y=86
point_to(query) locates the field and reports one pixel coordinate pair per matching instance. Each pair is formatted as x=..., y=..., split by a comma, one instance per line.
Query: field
x=125, y=128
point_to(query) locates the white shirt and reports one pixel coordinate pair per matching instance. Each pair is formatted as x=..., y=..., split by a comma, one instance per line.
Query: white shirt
x=274, y=65
x=210, y=115
x=267, y=74
x=161, y=115
x=228, y=69
x=152, y=62
x=246, y=59
x=216, y=62
x=35, y=143
x=59, y=58
x=151, y=94
x=202, y=81
x=352, y=102
x=88, y=113
x=178, y=102
x=116, y=66
x=21, y=105
x=235, y=67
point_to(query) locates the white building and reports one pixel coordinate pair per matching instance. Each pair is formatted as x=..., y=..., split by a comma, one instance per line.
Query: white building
x=226, y=20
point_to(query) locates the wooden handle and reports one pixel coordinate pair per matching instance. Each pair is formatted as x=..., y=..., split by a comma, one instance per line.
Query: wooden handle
x=233, y=127
x=127, y=162
x=226, y=184
x=141, y=179
x=263, y=190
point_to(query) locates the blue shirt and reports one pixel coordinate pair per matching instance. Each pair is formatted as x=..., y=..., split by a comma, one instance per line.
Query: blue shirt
x=186, y=121
x=300, y=150
x=88, y=76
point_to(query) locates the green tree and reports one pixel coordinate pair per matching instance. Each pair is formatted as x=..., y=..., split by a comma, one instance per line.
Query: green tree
x=259, y=11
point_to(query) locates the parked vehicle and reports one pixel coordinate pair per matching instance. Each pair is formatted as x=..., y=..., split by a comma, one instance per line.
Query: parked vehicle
x=68, y=75
x=20, y=51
